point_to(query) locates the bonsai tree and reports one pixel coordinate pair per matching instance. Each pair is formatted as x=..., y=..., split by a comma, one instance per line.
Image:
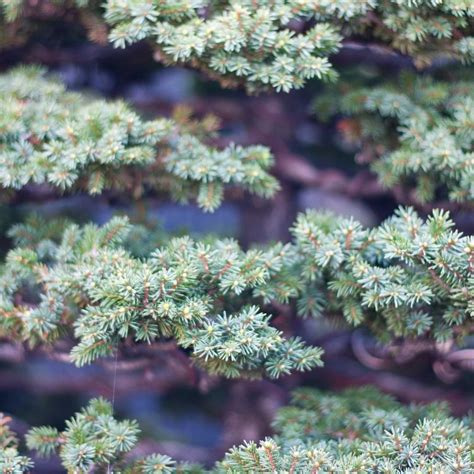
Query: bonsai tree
x=101, y=291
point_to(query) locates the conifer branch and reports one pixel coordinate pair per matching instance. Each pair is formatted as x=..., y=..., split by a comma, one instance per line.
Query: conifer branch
x=189, y=291
x=276, y=44
x=406, y=279
x=282, y=43
x=359, y=430
x=66, y=140
x=417, y=131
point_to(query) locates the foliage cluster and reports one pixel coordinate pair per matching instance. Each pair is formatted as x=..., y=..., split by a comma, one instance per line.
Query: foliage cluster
x=357, y=431
x=417, y=131
x=276, y=43
x=407, y=278
x=183, y=290
x=49, y=135
x=10, y=459
x=284, y=43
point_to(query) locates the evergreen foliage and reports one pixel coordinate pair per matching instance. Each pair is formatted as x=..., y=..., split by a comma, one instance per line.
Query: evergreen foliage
x=10, y=460
x=279, y=44
x=418, y=130
x=48, y=135
x=268, y=43
x=406, y=278
x=94, y=439
x=284, y=43
x=358, y=431
x=186, y=290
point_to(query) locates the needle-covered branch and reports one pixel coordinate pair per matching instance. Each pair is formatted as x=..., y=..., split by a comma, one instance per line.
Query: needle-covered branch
x=357, y=431
x=405, y=279
x=267, y=44
x=282, y=43
x=419, y=132
x=70, y=141
x=193, y=292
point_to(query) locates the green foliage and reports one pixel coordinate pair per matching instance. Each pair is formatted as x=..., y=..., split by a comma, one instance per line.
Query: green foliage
x=278, y=44
x=419, y=131
x=10, y=460
x=358, y=431
x=92, y=438
x=95, y=440
x=406, y=278
x=186, y=290
x=48, y=135
x=270, y=43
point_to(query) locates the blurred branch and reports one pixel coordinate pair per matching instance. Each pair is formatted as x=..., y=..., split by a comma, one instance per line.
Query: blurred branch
x=157, y=368
x=448, y=362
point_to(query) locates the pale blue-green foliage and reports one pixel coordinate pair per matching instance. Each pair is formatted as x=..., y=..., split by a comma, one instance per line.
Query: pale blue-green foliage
x=239, y=40
x=264, y=43
x=49, y=135
x=87, y=279
x=91, y=438
x=158, y=463
x=405, y=278
x=358, y=431
x=419, y=130
x=278, y=44
x=11, y=462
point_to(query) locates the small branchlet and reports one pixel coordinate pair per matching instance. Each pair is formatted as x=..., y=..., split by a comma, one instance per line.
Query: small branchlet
x=10, y=459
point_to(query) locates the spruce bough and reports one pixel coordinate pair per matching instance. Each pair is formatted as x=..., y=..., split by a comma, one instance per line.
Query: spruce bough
x=273, y=44
x=359, y=431
x=183, y=290
x=408, y=278
x=71, y=142
x=416, y=131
